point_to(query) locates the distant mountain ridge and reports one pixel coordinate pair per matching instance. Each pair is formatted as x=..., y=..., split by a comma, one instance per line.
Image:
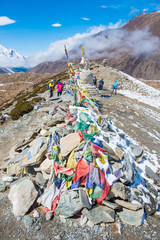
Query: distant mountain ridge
x=9, y=58
x=134, y=49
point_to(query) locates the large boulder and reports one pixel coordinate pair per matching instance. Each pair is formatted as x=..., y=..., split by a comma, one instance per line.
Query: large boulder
x=22, y=195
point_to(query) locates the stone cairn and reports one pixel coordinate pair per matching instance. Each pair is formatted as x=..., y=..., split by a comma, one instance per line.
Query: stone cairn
x=80, y=163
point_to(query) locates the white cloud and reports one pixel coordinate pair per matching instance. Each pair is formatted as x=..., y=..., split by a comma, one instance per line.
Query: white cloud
x=56, y=25
x=100, y=42
x=116, y=25
x=104, y=7
x=5, y=21
x=133, y=11
x=86, y=19
x=145, y=9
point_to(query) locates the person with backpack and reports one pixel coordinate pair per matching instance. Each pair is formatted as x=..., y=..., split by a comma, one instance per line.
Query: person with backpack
x=95, y=80
x=114, y=87
x=59, y=88
x=101, y=83
x=51, y=87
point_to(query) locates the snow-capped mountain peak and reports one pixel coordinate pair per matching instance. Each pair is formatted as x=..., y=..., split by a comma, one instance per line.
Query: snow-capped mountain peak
x=10, y=58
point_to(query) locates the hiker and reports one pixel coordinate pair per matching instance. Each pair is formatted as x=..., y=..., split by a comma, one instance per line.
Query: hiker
x=95, y=80
x=51, y=87
x=59, y=88
x=114, y=87
x=101, y=83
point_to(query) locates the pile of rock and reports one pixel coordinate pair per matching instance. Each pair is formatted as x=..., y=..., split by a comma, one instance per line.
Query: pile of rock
x=78, y=160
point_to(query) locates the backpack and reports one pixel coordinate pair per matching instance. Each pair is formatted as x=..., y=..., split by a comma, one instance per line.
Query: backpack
x=101, y=82
x=60, y=87
x=48, y=85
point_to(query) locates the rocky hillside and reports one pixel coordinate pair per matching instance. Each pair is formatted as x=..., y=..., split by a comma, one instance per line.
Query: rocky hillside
x=90, y=164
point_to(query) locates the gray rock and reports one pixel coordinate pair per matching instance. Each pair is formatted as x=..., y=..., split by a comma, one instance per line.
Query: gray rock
x=40, y=180
x=84, y=199
x=54, y=98
x=2, y=186
x=59, y=131
x=128, y=174
x=37, y=228
x=22, y=195
x=75, y=225
x=8, y=179
x=49, y=216
x=57, y=237
x=63, y=220
x=67, y=98
x=118, y=190
x=28, y=221
x=131, y=217
x=116, y=153
x=70, y=204
x=102, y=229
x=90, y=224
x=148, y=236
x=122, y=135
x=63, y=107
x=36, y=159
x=127, y=205
x=99, y=214
x=137, y=151
x=96, y=229
x=61, y=112
x=18, y=218
x=45, y=109
x=115, y=165
x=20, y=156
x=65, y=132
x=151, y=189
x=112, y=205
x=57, y=118
x=150, y=173
x=69, y=128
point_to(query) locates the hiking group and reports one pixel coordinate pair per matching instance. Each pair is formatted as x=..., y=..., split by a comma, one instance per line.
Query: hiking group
x=50, y=87
x=101, y=83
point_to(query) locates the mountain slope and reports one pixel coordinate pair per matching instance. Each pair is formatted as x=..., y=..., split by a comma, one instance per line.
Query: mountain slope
x=144, y=65
x=50, y=67
x=133, y=49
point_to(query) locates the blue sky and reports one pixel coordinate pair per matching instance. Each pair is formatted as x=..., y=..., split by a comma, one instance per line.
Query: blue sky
x=31, y=30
